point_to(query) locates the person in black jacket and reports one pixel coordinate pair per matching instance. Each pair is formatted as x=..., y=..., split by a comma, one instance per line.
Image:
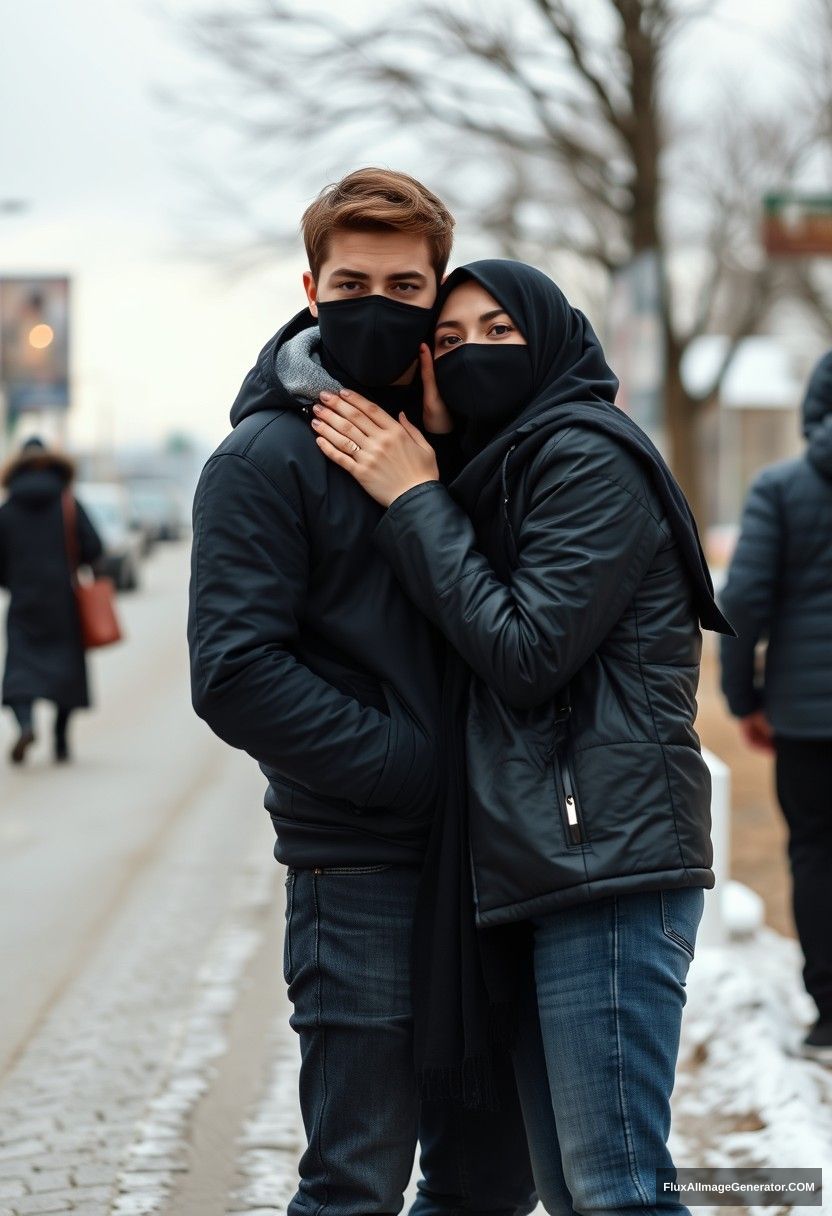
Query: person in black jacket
x=44, y=655
x=564, y=568
x=307, y=654
x=779, y=591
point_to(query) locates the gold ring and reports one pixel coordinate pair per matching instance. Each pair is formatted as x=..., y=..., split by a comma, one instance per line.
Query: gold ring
x=355, y=446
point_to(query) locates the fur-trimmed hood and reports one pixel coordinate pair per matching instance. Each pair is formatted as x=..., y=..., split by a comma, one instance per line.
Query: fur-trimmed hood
x=37, y=460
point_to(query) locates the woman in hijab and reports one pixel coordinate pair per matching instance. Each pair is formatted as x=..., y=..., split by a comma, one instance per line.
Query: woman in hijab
x=45, y=654
x=564, y=568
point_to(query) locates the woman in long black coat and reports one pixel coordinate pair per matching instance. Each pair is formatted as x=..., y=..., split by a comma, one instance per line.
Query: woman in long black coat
x=45, y=655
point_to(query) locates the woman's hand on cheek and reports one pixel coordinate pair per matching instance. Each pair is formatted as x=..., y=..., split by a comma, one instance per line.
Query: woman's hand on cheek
x=435, y=415
x=385, y=457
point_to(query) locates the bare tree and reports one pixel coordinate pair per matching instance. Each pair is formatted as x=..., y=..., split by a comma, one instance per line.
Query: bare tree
x=550, y=125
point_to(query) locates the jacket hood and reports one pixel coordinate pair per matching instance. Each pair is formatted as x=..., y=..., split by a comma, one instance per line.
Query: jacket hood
x=817, y=402
x=817, y=415
x=288, y=372
x=819, y=451
x=36, y=467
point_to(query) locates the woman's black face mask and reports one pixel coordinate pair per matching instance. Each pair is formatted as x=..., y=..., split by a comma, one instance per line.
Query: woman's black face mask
x=484, y=386
x=372, y=341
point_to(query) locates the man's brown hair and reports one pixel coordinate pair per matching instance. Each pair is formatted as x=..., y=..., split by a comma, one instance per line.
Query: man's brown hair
x=378, y=200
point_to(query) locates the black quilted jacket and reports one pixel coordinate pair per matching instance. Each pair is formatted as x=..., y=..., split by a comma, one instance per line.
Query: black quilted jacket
x=594, y=598
x=779, y=587
x=305, y=652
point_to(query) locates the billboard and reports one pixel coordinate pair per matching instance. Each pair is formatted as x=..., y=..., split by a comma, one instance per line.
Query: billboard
x=34, y=343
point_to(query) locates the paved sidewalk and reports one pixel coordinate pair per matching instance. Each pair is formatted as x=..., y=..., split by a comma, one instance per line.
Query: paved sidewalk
x=95, y=1116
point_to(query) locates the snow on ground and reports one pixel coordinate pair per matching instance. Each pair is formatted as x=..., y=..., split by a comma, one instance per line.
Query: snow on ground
x=742, y=1097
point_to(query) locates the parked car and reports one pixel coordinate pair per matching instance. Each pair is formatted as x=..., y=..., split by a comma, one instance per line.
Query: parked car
x=108, y=506
x=156, y=507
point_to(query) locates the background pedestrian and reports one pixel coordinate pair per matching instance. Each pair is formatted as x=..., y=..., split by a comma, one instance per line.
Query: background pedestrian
x=779, y=591
x=45, y=655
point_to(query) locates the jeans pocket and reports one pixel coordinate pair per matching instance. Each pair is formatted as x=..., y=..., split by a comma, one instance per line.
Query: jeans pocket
x=681, y=913
x=287, y=931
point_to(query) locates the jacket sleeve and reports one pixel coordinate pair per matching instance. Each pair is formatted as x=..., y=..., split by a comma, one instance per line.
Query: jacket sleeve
x=90, y=547
x=749, y=595
x=249, y=572
x=583, y=548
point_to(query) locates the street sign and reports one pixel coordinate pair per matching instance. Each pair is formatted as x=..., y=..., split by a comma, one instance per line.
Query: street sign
x=34, y=344
x=797, y=225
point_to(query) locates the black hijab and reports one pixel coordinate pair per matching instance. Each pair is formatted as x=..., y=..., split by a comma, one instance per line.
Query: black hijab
x=465, y=980
x=567, y=361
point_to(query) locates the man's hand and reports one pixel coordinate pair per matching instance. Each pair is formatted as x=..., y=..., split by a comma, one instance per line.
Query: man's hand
x=757, y=732
x=385, y=457
x=435, y=414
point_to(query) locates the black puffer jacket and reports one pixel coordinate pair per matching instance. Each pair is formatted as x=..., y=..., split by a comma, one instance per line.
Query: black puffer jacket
x=305, y=652
x=594, y=598
x=779, y=586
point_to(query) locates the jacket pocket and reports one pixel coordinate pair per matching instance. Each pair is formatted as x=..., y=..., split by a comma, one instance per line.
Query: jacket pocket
x=408, y=781
x=362, y=687
x=570, y=806
x=354, y=871
x=287, y=931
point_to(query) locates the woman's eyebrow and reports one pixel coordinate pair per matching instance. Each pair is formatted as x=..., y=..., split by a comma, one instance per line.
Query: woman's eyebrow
x=495, y=312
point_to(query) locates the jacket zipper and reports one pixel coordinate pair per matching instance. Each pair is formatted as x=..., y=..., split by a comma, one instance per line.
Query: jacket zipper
x=573, y=822
x=507, y=528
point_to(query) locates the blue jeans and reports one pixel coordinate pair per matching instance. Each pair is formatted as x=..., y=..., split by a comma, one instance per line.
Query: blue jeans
x=596, y=1056
x=347, y=961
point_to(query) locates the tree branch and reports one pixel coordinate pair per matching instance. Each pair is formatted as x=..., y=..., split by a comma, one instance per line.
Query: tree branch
x=562, y=24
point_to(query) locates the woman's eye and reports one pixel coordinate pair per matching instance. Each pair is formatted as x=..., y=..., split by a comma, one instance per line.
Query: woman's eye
x=500, y=330
x=448, y=340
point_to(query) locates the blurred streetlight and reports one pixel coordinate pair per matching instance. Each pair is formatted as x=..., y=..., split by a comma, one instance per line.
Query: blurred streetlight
x=41, y=336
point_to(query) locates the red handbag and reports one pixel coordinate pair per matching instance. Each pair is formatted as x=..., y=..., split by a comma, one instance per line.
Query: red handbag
x=96, y=599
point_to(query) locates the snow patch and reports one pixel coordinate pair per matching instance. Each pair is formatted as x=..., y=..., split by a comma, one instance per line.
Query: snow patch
x=742, y=1096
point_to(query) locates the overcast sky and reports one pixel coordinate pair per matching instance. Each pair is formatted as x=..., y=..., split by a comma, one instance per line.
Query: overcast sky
x=161, y=340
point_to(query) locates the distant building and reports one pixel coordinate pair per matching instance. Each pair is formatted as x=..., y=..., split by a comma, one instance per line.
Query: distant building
x=756, y=419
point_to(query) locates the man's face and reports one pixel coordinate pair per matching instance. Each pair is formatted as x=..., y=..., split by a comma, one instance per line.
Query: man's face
x=392, y=264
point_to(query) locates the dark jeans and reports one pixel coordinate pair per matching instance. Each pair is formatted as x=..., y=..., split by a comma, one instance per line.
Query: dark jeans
x=804, y=789
x=24, y=712
x=596, y=1056
x=347, y=961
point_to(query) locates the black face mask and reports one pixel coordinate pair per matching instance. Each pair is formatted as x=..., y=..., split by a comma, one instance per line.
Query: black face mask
x=484, y=386
x=372, y=341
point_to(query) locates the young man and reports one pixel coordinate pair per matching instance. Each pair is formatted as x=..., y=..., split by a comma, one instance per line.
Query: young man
x=307, y=654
